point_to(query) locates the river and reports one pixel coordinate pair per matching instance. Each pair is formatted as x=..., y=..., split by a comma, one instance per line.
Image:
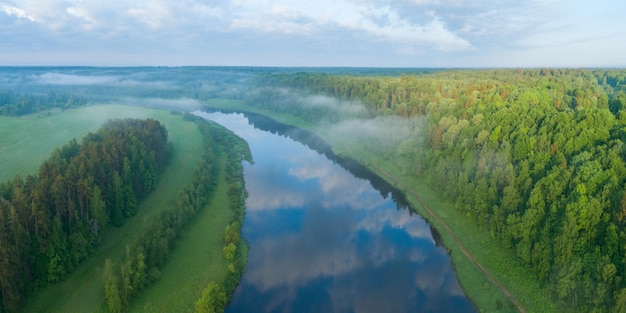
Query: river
x=325, y=235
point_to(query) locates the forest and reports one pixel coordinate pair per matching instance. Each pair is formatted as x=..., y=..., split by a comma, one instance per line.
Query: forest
x=142, y=261
x=52, y=221
x=15, y=104
x=536, y=156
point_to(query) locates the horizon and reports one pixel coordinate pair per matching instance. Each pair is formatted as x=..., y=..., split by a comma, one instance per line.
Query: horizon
x=319, y=67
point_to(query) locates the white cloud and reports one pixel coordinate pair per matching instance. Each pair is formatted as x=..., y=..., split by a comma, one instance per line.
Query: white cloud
x=13, y=11
x=82, y=14
x=299, y=32
x=378, y=21
x=154, y=14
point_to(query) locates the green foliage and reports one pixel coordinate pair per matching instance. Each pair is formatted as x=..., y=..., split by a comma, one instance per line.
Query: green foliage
x=55, y=217
x=187, y=141
x=13, y=104
x=150, y=252
x=213, y=299
x=536, y=156
x=111, y=289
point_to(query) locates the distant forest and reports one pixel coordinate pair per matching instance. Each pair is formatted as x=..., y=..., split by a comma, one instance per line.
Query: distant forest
x=537, y=156
x=50, y=222
x=15, y=104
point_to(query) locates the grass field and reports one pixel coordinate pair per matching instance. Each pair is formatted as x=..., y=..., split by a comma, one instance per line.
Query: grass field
x=196, y=260
x=82, y=291
x=501, y=264
x=26, y=141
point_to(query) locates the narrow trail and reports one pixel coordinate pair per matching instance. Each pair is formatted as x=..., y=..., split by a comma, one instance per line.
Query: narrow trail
x=448, y=230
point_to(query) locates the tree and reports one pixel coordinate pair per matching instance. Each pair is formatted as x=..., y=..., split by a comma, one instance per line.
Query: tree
x=111, y=288
x=213, y=299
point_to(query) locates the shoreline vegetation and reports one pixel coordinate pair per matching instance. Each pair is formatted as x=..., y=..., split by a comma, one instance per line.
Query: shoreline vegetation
x=526, y=166
x=482, y=291
x=223, y=154
x=180, y=194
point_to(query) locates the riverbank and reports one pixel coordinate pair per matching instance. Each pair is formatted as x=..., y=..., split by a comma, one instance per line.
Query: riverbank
x=198, y=256
x=485, y=269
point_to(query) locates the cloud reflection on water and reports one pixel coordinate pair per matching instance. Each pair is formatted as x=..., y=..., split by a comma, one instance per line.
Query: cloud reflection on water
x=322, y=240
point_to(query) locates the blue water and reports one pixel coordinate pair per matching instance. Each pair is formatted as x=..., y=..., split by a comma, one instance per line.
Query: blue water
x=323, y=240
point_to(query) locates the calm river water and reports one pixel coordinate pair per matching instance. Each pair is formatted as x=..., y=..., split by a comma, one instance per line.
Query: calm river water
x=324, y=240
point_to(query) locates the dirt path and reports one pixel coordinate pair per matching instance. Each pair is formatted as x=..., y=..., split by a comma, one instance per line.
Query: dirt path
x=445, y=226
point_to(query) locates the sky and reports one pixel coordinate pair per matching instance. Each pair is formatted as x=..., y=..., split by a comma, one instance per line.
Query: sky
x=351, y=33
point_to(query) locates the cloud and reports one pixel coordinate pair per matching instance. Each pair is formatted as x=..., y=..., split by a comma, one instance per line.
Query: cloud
x=366, y=19
x=17, y=12
x=195, y=23
x=294, y=32
x=413, y=225
x=369, y=265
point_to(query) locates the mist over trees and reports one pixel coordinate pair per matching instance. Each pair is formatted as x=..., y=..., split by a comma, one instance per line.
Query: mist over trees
x=14, y=104
x=50, y=222
x=535, y=156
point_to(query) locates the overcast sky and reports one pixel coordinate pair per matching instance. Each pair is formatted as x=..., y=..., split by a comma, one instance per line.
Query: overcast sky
x=392, y=33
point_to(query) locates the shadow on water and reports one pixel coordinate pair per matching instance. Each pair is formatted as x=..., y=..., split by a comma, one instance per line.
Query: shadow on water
x=327, y=240
x=318, y=144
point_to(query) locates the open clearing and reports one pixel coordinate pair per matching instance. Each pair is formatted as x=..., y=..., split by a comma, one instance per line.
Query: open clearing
x=26, y=141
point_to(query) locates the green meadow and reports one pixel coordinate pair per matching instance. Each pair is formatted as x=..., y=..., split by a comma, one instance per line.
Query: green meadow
x=26, y=141
x=196, y=260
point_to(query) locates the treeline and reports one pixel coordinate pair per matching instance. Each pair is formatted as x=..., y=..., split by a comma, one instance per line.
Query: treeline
x=216, y=295
x=143, y=260
x=50, y=222
x=536, y=156
x=14, y=104
x=411, y=95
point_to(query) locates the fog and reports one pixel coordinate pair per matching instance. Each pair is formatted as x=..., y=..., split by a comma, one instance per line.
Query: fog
x=120, y=85
x=188, y=89
x=319, y=101
x=78, y=80
x=388, y=130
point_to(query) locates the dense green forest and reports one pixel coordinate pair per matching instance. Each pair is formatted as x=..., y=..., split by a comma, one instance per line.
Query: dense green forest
x=50, y=222
x=536, y=156
x=15, y=104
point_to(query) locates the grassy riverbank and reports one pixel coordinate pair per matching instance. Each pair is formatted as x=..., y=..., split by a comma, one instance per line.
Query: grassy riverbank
x=197, y=257
x=473, y=246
